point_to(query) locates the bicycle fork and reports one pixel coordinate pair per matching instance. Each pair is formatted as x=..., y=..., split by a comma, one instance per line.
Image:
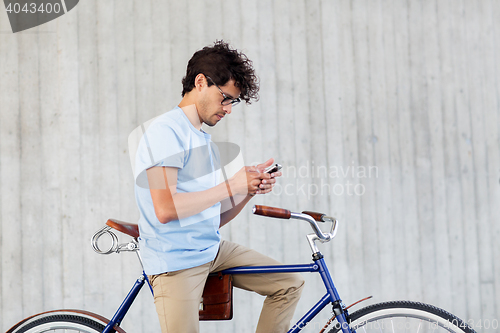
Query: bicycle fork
x=331, y=297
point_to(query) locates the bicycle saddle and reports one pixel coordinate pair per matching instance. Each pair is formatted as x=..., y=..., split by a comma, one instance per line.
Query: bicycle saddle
x=131, y=229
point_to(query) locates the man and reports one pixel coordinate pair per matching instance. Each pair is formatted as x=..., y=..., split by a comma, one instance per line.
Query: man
x=183, y=202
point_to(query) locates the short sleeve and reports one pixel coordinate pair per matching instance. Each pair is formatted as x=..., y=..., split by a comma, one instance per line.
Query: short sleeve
x=160, y=145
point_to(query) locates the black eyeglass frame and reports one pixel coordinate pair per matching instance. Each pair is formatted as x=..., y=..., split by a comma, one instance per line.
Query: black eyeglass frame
x=227, y=100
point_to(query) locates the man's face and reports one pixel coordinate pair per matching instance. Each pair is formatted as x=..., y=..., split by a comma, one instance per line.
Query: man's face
x=210, y=109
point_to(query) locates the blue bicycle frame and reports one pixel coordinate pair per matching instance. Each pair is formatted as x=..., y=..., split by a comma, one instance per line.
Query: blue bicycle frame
x=319, y=266
x=331, y=296
x=127, y=302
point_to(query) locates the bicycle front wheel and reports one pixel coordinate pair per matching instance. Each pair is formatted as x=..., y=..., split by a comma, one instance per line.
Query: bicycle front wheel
x=67, y=321
x=404, y=316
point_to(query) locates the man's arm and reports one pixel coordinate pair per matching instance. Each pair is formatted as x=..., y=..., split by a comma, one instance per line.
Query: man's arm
x=228, y=212
x=170, y=205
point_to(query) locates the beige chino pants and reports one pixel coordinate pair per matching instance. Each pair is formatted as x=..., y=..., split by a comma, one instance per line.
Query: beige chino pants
x=177, y=294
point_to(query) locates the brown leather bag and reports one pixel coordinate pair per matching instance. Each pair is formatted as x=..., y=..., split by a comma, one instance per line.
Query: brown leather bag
x=217, y=299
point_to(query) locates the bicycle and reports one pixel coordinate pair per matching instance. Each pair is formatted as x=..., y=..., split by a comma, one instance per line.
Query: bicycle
x=393, y=316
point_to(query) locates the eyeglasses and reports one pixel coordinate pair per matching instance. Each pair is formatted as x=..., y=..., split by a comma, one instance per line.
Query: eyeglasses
x=227, y=100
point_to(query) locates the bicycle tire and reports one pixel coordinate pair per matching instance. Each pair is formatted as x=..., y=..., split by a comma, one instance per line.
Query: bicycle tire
x=70, y=321
x=404, y=316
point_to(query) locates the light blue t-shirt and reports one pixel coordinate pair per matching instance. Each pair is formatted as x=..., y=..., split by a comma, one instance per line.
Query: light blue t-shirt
x=172, y=141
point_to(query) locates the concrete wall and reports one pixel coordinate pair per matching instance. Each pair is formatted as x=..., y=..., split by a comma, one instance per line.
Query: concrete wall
x=383, y=113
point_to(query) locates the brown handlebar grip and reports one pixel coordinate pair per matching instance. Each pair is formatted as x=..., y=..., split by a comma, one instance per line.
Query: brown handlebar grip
x=278, y=213
x=317, y=216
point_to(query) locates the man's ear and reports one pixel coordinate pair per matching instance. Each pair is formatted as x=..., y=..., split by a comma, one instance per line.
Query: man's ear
x=200, y=81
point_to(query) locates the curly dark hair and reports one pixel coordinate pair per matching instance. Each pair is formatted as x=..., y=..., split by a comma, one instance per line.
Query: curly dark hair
x=222, y=63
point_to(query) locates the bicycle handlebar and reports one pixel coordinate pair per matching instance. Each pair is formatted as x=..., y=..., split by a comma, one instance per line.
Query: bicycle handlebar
x=278, y=213
x=281, y=213
x=310, y=217
x=317, y=216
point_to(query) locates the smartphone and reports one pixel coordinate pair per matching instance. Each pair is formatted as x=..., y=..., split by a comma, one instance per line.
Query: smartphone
x=273, y=168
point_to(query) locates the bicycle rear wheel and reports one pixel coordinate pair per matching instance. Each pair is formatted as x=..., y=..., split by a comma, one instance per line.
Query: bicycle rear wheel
x=404, y=316
x=67, y=321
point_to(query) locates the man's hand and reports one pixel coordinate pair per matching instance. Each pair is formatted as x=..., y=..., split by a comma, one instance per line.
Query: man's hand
x=244, y=185
x=253, y=180
x=267, y=184
x=246, y=181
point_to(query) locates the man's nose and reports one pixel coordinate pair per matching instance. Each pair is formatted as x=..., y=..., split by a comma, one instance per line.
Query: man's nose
x=227, y=108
